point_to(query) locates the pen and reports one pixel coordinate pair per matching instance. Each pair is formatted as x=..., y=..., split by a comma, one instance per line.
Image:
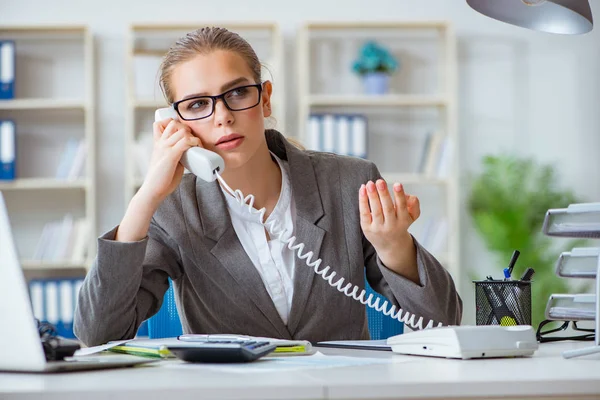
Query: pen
x=500, y=310
x=527, y=274
x=511, y=264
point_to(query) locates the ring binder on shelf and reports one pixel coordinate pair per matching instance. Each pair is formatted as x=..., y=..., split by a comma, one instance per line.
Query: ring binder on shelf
x=7, y=69
x=8, y=150
x=582, y=221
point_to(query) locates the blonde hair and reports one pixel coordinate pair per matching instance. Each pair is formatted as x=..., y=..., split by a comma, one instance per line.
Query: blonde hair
x=204, y=41
x=295, y=142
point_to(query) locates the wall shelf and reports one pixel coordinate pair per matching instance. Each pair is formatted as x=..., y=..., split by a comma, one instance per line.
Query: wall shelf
x=356, y=25
x=377, y=100
x=413, y=179
x=44, y=183
x=147, y=103
x=31, y=265
x=46, y=104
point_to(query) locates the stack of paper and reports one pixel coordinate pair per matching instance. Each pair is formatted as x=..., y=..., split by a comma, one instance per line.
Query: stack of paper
x=159, y=347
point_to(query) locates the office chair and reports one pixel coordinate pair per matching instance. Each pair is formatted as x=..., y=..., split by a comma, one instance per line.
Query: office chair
x=166, y=322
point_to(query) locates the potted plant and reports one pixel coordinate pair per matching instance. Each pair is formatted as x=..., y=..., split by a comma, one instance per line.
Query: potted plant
x=375, y=65
x=508, y=202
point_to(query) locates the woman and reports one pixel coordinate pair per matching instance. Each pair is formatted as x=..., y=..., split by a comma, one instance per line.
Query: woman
x=229, y=275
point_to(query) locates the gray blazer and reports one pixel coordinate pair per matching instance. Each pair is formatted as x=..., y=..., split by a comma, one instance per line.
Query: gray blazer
x=218, y=289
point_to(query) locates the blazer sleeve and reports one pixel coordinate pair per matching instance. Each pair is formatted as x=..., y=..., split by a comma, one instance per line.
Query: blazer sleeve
x=434, y=298
x=125, y=286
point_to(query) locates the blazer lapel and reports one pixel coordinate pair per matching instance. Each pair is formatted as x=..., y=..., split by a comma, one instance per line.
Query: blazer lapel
x=230, y=252
x=215, y=223
x=309, y=211
x=312, y=237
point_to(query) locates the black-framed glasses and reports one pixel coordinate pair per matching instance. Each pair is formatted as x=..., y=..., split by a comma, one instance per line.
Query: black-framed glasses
x=543, y=332
x=236, y=99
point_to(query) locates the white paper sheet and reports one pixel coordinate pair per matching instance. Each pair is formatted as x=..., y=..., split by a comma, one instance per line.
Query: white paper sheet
x=274, y=364
x=97, y=349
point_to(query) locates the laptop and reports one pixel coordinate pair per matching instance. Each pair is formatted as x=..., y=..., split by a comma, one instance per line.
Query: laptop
x=20, y=344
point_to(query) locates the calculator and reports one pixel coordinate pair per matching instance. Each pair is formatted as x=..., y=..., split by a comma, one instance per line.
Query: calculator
x=221, y=351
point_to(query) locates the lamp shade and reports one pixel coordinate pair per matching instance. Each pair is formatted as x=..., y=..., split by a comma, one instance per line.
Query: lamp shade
x=553, y=16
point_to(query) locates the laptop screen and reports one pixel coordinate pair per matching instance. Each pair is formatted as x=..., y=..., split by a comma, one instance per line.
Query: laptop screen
x=20, y=344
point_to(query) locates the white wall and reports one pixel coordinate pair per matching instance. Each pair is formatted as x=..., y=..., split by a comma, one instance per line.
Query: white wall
x=522, y=91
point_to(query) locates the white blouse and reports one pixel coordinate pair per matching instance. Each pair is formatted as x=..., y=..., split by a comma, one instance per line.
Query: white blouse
x=273, y=260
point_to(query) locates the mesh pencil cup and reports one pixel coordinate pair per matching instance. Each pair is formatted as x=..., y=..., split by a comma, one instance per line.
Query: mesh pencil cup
x=505, y=303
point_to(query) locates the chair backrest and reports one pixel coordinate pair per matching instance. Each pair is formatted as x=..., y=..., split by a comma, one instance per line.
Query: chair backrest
x=166, y=322
x=381, y=326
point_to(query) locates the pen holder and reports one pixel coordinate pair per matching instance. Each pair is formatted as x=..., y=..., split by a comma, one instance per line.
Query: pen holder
x=503, y=303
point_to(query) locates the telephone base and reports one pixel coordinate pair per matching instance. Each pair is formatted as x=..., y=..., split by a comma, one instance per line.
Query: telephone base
x=464, y=342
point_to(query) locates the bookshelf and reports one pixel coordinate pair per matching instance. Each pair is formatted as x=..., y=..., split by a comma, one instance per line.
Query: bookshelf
x=48, y=115
x=421, y=101
x=147, y=44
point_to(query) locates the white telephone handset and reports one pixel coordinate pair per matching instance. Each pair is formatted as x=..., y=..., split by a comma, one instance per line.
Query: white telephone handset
x=207, y=165
x=199, y=161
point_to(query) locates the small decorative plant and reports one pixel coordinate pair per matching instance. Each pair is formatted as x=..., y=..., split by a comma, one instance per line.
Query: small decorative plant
x=375, y=65
x=374, y=58
x=508, y=202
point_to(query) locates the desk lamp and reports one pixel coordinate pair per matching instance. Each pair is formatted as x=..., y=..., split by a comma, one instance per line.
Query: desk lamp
x=570, y=17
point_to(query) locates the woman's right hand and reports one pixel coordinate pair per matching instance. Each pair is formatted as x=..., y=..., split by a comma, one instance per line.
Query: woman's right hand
x=171, y=140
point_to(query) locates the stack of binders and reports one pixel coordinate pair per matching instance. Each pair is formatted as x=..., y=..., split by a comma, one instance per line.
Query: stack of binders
x=54, y=300
x=344, y=134
x=581, y=221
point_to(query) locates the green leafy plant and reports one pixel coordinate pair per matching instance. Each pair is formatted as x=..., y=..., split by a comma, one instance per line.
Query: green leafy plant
x=374, y=58
x=508, y=202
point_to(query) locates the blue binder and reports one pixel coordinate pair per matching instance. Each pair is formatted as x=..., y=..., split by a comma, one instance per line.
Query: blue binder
x=54, y=301
x=7, y=69
x=8, y=150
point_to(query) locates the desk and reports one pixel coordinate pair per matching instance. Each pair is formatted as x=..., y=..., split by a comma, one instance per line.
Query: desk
x=544, y=375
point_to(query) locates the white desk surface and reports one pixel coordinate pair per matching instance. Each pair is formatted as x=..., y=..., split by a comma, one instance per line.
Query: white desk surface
x=546, y=374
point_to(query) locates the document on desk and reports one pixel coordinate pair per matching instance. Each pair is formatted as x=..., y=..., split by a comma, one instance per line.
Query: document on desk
x=86, y=351
x=357, y=344
x=274, y=364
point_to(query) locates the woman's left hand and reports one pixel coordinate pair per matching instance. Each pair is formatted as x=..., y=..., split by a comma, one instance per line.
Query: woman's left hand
x=385, y=223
